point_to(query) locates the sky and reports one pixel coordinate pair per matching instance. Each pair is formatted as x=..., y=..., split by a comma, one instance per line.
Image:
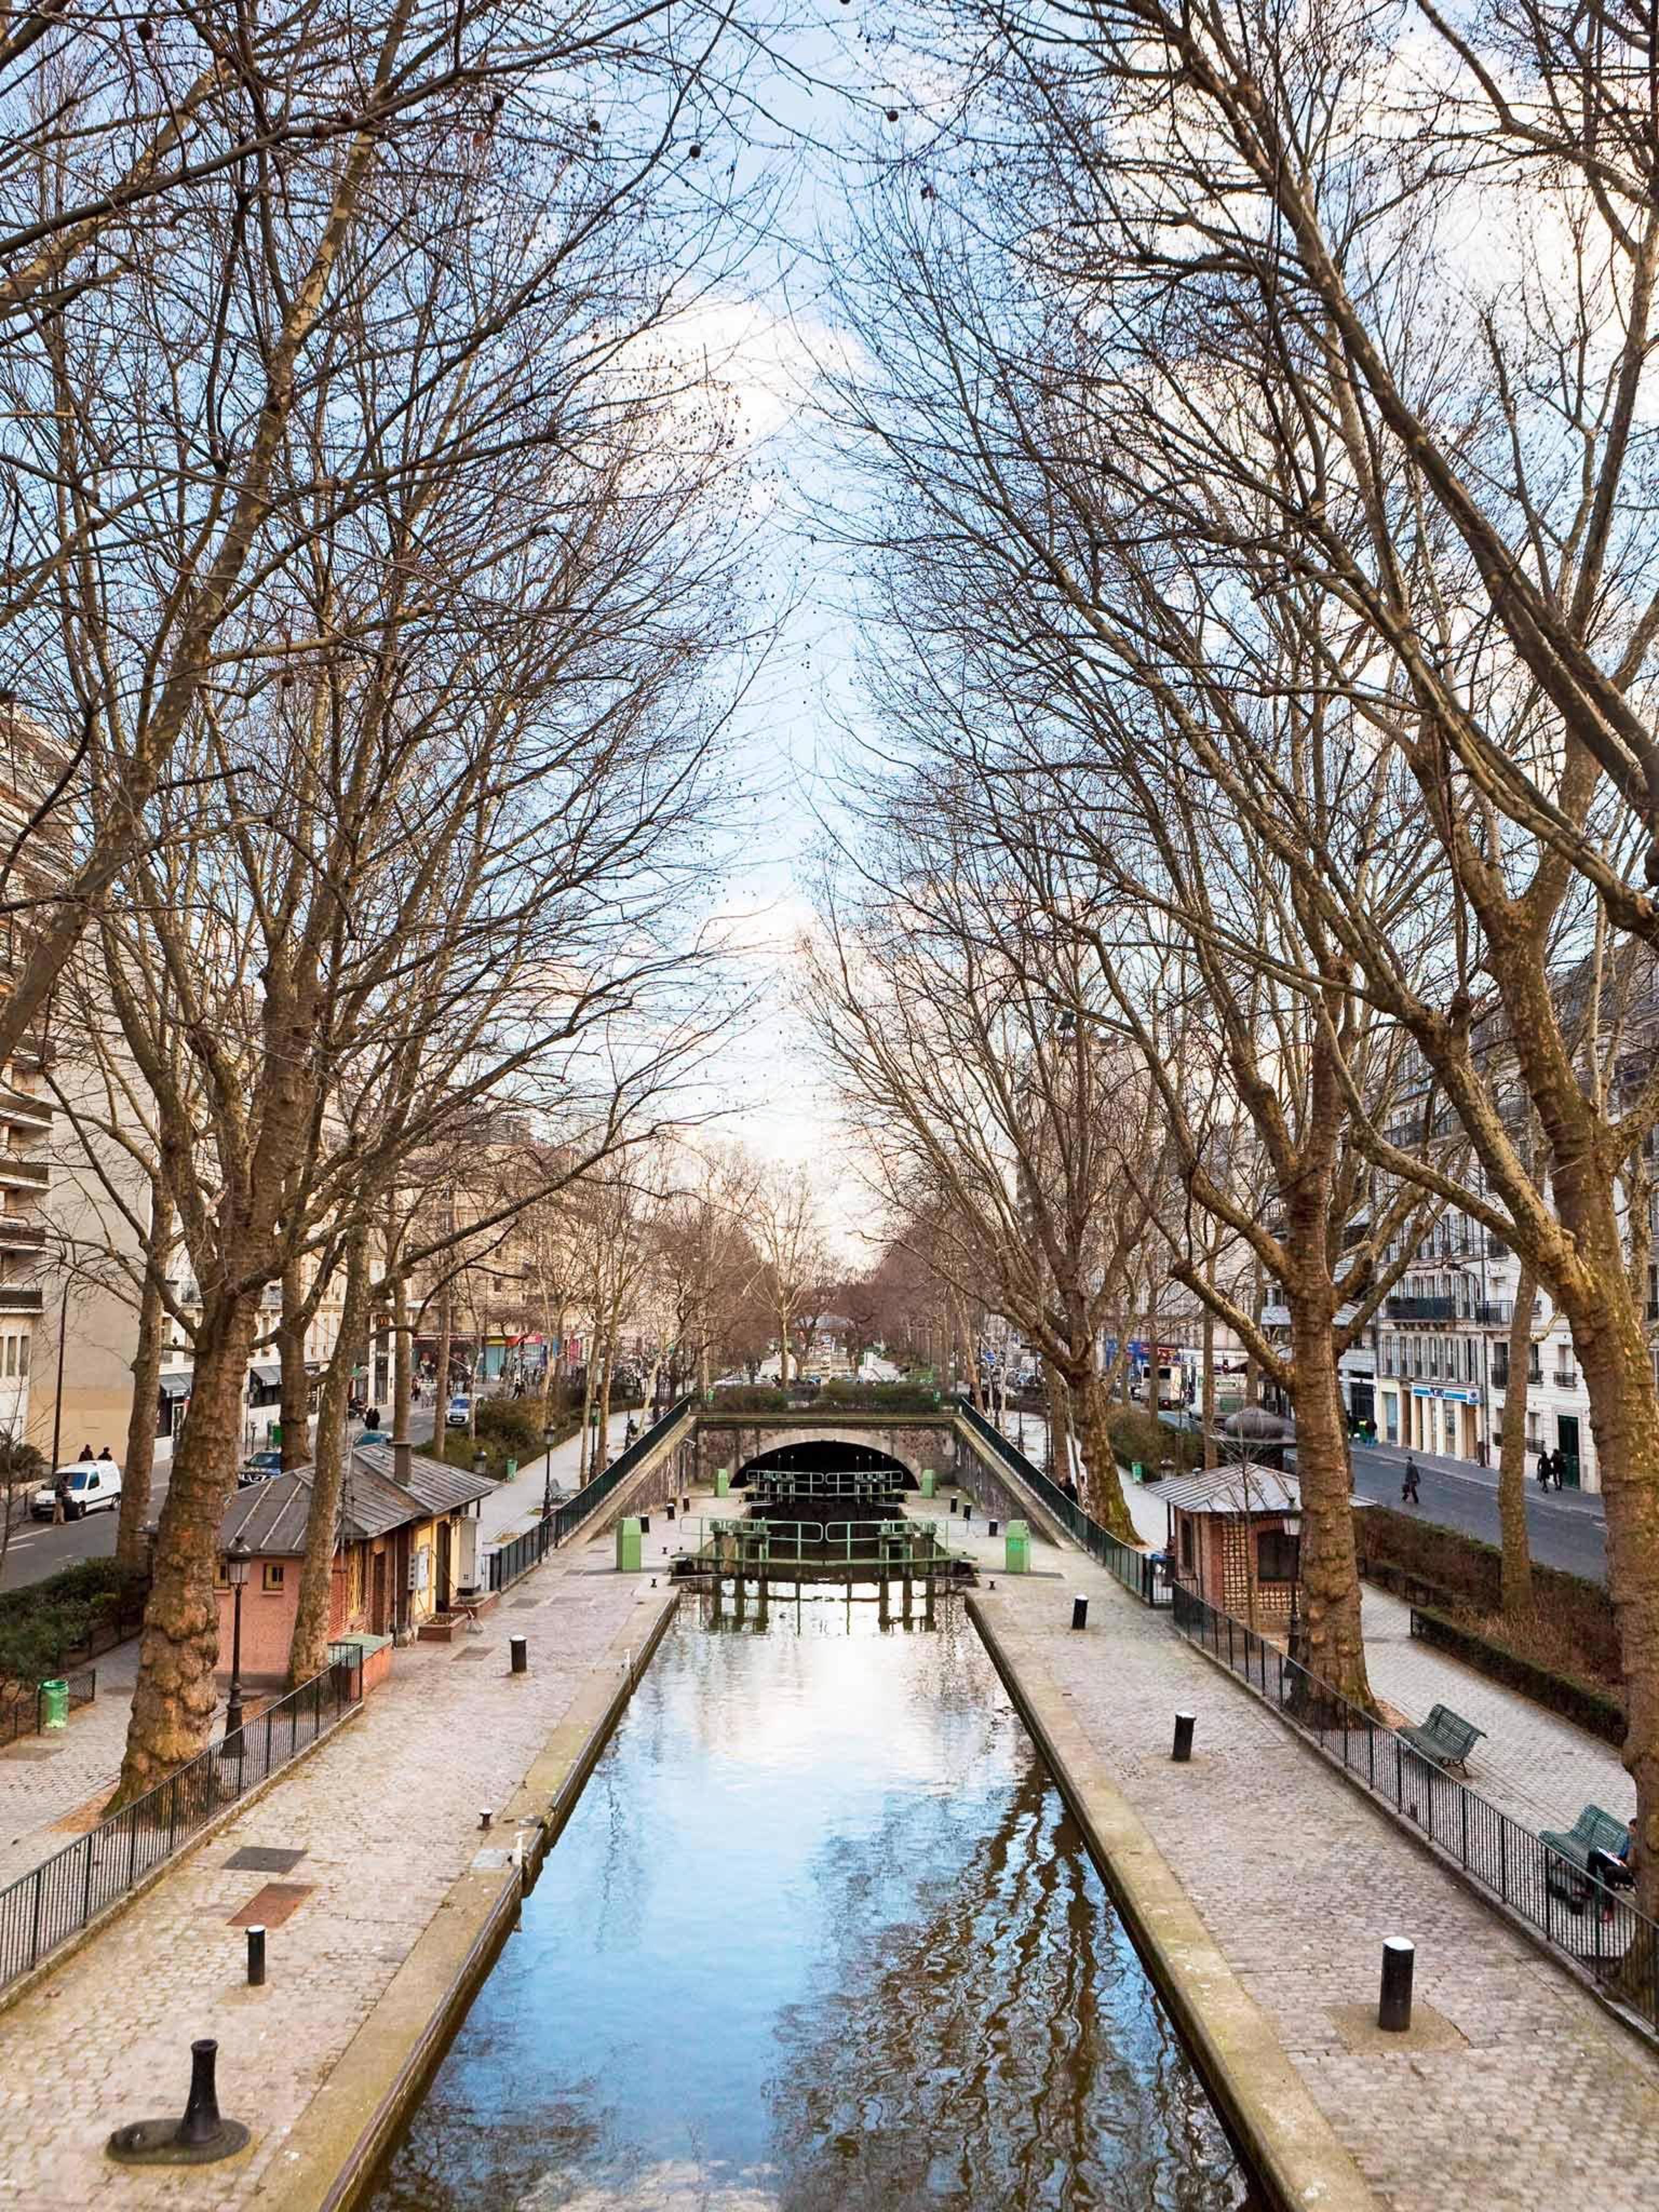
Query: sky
x=820, y=129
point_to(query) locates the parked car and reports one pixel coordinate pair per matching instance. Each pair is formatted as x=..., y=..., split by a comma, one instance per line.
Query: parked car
x=460, y=1410
x=94, y=1485
x=259, y=1467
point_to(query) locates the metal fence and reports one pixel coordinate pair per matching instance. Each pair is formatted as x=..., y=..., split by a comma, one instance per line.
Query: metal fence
x=1138, y=1572
x=508, y=1561
x=1581, y=1919
x=57, y=1898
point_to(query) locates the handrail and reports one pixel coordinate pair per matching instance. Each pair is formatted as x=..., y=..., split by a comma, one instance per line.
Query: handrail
x=56, y=1899
x=1582, y=1921
x=507, y=1562
x=1138, y=1572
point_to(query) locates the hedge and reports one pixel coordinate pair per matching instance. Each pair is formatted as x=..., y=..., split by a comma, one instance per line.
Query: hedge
x=1468, y=1575
x=43, y=1621
x=880, y=1397
x=1138, y=1435
x=1591, y=1709
x=750, y=1398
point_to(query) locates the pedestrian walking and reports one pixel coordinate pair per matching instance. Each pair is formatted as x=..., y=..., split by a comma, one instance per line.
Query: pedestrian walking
x=60, y=1498
x=1543, y=1470
x=1408, y=1487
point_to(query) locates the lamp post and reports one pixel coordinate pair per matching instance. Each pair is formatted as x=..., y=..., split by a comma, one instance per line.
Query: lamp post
x=238, y=1559
x=548, y=1435
x=1292, y=1527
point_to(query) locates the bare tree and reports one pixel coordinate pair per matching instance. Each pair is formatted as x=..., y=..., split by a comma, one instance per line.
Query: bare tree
x=794, y=1252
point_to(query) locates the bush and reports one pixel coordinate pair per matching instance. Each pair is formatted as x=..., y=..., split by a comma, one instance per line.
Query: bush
x=879, y=1397
x=42, y=1622
x=1138, y=1435
x=750, y=1398
x=1588, y=1707
x=1467, y=1577
x=514, y=1423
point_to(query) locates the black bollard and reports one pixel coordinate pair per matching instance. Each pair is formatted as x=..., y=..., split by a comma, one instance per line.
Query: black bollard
x=967, y=1509
x=668, y=1509
x=685, y=1505
x=520, y=1647
x=1394, y=2008
x=256, y=1958
x=201, y=2122
x=644, y=1524
x=1185, y=1723
x=1080, y=1611
x=953, y=1503
x=991, y=1527
x=485, y=1817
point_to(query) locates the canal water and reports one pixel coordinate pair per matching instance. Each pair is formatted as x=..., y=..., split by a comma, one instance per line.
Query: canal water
x=820, y=1934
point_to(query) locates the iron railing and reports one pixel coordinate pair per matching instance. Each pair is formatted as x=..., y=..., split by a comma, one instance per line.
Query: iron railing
x=798, y=1550
x=57, y=1898
x=508, y=1561
x=1594, y=1927
x=1138, y=1572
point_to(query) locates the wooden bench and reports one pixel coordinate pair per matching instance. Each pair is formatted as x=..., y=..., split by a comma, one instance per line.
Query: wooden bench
x=1593, y=1831
x=1444, y=1740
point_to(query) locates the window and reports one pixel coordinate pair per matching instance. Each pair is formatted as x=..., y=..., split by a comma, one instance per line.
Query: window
x=10, y=1367
x=22, y=1355
x=221, y=1573
x=271, y=1575
x=1275, y=1556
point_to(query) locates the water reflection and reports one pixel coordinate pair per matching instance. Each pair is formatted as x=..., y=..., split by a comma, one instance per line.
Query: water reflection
x=819, y=1934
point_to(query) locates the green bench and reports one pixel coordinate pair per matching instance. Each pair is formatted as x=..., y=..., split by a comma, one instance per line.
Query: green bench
x=1444, y=1740
x=1592, y=1832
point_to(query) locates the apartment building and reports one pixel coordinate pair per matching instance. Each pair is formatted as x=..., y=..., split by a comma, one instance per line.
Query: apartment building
x=31, y=767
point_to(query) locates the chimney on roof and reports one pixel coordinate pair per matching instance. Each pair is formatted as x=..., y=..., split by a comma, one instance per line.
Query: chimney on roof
x=401, y=1470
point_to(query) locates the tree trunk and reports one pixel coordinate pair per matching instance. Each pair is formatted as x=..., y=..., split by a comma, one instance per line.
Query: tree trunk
x=296, y=1383
x=139, y=1465
x=1330, y=1645
x=445, y=1353
x=783, y=1348
x=1512, y=1456
x=1059, y=1423
x=585, y=1468
x=403, y=1360
x=1103, y=1488
x=308, y=1647
x=174, y=1700
x=1252, y=1372
x=1208, y=1455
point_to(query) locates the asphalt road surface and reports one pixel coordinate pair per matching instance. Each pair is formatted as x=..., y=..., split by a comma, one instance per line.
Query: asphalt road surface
x=38, y=1548
x=1566, y=1527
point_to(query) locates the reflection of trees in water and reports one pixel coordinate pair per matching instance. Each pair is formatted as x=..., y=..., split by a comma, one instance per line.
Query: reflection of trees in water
x=499, y=2151
x=1000, y=2049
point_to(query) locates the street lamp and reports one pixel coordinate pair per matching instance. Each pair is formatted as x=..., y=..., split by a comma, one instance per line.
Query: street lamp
x=548, y=1435
x=1292, y=1523
x=238, y=1560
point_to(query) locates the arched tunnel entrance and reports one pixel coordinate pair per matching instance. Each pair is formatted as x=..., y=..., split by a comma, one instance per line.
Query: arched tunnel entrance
x=824, y=1467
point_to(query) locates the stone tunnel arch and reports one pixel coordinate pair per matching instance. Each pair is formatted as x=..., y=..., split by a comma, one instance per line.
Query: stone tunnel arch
x=825, y=1454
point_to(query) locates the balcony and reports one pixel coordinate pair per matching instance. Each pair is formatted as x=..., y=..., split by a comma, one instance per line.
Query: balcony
x=1495, y=1313
x=19, y=1174
x=22, y=1298
x=1421, y=1309
x=22, y=1111
x=1564, y=1378
x=18, y=1234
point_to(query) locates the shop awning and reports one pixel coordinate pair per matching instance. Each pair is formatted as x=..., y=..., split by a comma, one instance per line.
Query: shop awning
x=177, y=1386
x=266, y=1373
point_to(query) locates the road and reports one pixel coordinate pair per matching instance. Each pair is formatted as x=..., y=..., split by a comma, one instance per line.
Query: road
x=1566, y=1528
x=38, y=1548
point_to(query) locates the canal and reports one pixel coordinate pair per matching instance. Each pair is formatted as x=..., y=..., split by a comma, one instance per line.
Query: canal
x=820, y=1934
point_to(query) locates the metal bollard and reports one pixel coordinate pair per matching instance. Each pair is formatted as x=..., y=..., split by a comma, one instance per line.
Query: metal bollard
x=685, y=1505
x=1080, y=1611
x=644, y=1524
x=668, y=1509
x=1185, y=1723
x=991, y=1527
x=953, y=1503
x=485, y=1817
x=520, y=1647
x=967, y=1510
x=1394, y=2005
x=201, y=2122
x=256, y=1958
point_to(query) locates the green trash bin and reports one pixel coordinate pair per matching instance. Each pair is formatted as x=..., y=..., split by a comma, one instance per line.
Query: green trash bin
x=929, y=1482
x=1137, y=1472
x=54, y=1703
x=1017, y=1548
x=512, y=1468
x=722, y=1482
x=631, y=1548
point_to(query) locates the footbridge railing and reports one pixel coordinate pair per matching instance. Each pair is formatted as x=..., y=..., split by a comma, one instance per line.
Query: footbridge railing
x=508, y=1561
x=1138, y=1572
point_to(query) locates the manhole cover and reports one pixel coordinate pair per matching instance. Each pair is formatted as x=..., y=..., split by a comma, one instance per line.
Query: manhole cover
x=269, y=1907
x=472, y=1651
x=265, y=1858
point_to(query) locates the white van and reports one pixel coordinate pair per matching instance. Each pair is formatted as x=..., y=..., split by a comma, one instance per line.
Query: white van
x=94, y=1484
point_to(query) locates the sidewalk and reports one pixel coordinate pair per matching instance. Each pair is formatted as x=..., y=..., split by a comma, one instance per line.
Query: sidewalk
x=1538, y=1769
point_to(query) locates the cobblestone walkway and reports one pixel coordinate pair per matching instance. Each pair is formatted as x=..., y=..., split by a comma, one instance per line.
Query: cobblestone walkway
x=384, y=1818
x=1538, y=2100
x=1538, y=1769
x=50, y=1785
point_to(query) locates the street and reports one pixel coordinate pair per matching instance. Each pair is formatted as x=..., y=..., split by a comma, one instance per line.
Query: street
x=1566, y=1528
x=38, y=1548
